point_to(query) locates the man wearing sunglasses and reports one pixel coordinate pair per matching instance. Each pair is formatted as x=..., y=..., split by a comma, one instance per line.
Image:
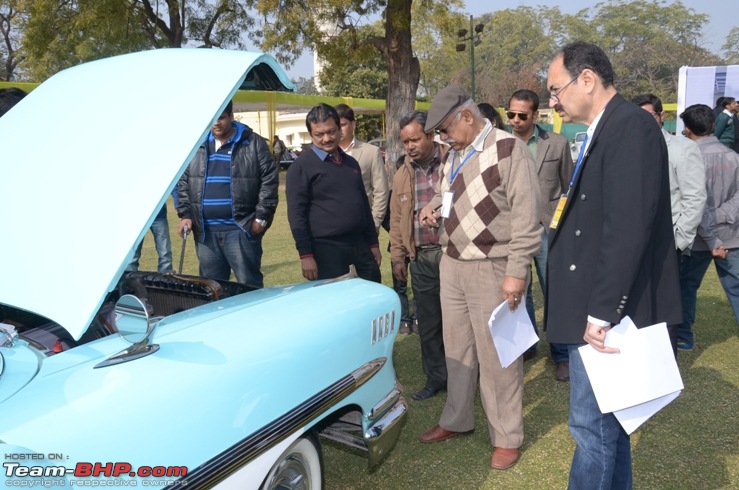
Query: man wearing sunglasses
x=554, y=168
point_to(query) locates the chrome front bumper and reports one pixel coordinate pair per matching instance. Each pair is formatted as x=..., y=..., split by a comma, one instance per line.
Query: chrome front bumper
x=386, y=420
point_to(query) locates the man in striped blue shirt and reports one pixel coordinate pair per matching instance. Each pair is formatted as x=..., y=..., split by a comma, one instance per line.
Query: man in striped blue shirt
x=228, y=197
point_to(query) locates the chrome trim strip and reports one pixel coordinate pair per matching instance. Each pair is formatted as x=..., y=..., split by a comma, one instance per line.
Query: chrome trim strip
x=218, y=468
x=364, y=373
x=382, y=406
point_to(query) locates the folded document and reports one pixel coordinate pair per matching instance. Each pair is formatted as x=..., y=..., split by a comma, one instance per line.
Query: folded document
x=638, y=381
x=512, y=332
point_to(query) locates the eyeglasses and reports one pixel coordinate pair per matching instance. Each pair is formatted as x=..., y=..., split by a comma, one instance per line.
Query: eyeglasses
x=555, y=95
x=521, y=115
x=457, y=117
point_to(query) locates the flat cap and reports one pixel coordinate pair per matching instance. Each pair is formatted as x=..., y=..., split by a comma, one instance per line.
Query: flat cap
x=443, y=104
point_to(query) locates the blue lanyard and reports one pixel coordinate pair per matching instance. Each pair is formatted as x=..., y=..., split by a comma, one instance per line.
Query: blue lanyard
x=455, y=172
x=579, y=162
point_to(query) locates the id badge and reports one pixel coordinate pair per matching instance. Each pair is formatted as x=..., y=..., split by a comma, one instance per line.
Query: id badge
x=446, y=204
x=558, y=212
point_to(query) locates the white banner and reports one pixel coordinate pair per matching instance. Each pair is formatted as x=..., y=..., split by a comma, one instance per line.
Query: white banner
x=705, y=84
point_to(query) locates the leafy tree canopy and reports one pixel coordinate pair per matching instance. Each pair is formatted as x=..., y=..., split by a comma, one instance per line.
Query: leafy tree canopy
x=394, y=49
x=60, y=33
x=730, y=48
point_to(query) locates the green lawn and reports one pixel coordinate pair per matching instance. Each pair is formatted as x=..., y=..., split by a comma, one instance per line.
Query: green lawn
x=692, y=444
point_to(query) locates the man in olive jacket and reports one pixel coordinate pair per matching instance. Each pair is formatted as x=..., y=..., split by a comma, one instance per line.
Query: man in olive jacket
x=413, y=188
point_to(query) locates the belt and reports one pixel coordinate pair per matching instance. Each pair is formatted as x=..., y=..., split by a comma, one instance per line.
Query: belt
x=428, y=247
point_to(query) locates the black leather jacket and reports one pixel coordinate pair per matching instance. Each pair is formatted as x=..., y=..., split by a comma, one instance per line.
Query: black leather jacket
x=254, y=181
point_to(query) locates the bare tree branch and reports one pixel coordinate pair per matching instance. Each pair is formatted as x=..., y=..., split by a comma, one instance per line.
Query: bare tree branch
x=222, y=9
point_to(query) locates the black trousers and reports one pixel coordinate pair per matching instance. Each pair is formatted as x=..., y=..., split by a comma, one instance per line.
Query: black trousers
x=333, y=258
x=425, y=285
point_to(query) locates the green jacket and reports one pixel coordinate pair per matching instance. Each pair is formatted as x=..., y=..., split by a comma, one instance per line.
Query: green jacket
x=724, y=130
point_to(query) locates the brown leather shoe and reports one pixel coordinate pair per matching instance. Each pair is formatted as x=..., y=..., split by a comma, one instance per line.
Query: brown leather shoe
x=562, y=372
x=503, y=458
x=437, y=434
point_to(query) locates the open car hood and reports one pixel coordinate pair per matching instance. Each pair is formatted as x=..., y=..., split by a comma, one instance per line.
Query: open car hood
x=88, y=159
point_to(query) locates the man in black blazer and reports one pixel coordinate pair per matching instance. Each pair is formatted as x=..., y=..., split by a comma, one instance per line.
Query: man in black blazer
x=611, y=247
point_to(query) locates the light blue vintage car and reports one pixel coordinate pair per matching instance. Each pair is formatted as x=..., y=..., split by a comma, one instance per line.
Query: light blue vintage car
x=205, y=384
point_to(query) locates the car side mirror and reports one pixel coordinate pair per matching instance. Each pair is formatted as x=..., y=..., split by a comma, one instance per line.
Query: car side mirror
x=131, y=318
x=135, y=326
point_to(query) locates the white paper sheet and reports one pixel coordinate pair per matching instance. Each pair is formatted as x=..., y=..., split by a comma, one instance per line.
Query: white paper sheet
x=640, y=380
x=633, y=417
x=512, y=332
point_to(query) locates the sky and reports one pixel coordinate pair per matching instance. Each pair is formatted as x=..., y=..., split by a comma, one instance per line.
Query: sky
x=718, y=27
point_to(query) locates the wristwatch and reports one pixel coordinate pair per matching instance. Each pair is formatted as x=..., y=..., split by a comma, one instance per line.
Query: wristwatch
x=261, y=222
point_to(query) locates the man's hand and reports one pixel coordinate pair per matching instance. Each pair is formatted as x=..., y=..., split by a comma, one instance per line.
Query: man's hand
x=378, y=256
x=310, y=268
x=595, y=335
x=184, y=222
x=256, y=228
x=428, y=217
x=720, y=252
x=513, y=289
x=400, y=271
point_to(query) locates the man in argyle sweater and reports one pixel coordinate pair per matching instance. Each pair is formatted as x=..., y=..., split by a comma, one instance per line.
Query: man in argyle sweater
x=487, y=204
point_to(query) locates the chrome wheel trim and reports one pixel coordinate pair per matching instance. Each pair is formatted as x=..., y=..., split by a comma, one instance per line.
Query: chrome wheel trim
x=299, y=468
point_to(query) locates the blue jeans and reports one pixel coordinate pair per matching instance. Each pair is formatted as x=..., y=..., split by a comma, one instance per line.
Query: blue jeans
x=692, y=269
x=559, y=351
x=602, y=458
x=222, y=251
x=160, y=232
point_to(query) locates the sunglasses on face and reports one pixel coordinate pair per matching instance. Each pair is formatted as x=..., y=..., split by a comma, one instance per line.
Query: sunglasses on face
x=521, y=115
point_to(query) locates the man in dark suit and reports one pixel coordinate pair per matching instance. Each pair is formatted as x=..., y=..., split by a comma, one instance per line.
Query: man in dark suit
x=554, y=169
x=611, y=248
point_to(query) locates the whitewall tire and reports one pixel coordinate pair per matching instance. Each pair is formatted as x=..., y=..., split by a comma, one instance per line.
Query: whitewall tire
x=298, y=468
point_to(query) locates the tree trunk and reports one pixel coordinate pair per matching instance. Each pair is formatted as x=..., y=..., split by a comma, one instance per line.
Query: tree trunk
x=403, y=72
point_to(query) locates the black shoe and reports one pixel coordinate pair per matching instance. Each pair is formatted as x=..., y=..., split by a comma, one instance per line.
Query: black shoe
x=425, y=393
x=529, y=354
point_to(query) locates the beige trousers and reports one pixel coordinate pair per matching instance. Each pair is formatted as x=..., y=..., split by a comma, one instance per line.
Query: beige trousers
x=470, y=291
